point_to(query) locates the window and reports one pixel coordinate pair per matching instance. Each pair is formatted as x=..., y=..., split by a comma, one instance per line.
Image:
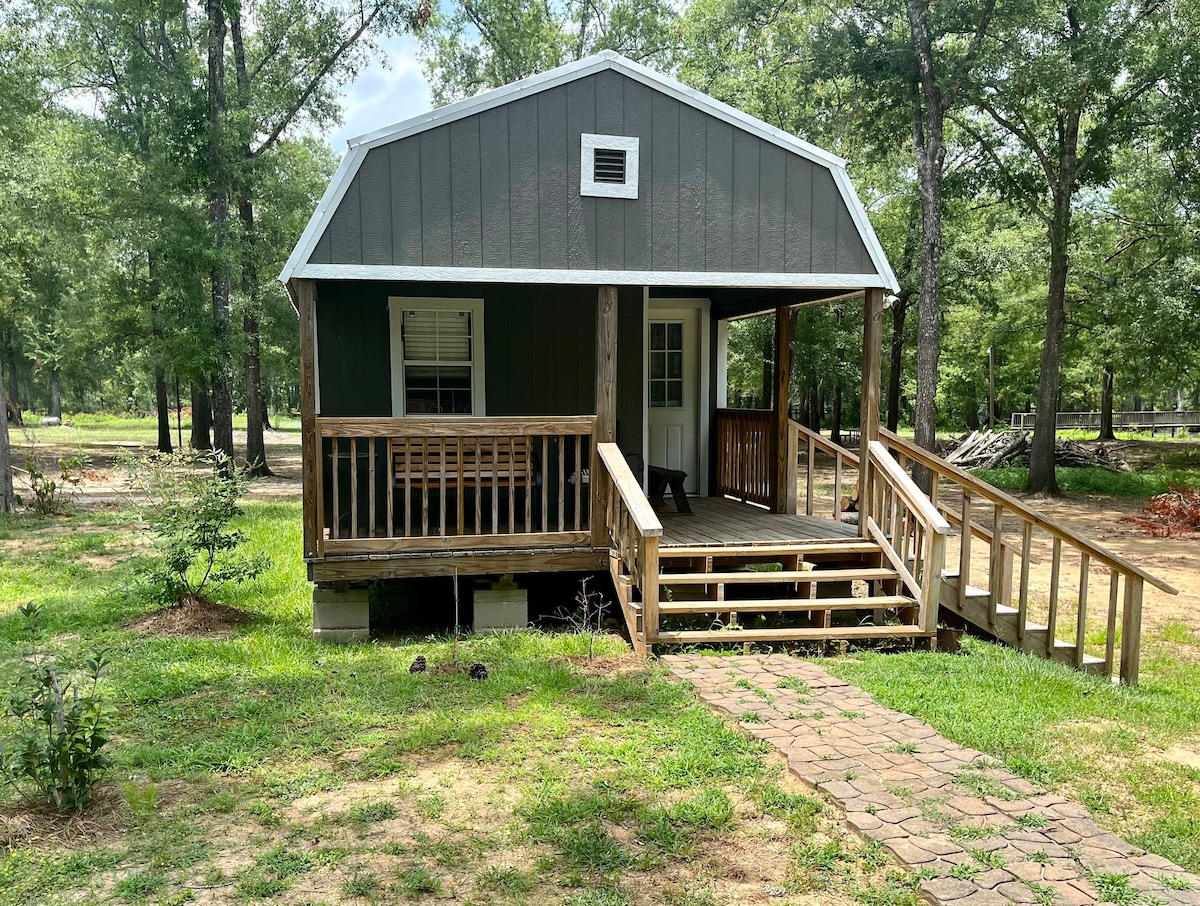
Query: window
x=437, y=351
x=666, y=364
x=608, y=166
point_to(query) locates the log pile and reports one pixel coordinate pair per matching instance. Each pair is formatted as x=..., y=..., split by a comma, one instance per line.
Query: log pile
x=995, y=449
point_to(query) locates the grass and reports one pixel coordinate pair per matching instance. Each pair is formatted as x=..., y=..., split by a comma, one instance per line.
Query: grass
x=1093, y=480
x=1062, y=730
x=261, y=764
x=101, y=428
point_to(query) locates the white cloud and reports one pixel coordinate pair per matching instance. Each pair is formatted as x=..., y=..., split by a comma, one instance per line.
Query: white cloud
x=385, y=92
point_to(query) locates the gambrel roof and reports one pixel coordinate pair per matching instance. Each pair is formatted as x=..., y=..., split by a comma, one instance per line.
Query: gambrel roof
x=489, y=190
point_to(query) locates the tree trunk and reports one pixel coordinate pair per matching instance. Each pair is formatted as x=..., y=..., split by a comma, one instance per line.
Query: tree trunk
x=163, y=405
x=218, y=212
x=768, y=377
x=201, y=417
x=930, y=150
x=835, y=428
x=896, y=362
x=8, y=500
x=1106, y=404
x=1042, y=479
x=55, y=394
x=256, y=448
x=14, y=387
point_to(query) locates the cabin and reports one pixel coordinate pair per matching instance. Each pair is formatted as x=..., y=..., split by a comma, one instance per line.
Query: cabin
x=514, y=314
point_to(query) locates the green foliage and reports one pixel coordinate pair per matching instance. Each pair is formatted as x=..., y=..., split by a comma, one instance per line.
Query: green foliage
x=52, y=496
x=54, y=755
x=188, y=500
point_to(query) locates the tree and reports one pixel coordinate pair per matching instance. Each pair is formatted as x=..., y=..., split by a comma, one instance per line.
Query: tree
x=1062, y=85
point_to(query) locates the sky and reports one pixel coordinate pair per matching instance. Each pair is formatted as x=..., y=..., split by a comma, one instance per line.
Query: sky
x=384, y=93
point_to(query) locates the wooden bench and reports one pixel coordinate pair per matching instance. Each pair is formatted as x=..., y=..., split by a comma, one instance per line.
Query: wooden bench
x=660, y=478
x=499, y=462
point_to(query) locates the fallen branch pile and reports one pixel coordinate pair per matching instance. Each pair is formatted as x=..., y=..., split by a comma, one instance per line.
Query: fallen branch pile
x=994, y=449
x=1175, y=513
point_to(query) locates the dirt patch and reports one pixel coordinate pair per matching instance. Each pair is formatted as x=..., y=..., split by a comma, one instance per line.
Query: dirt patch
x=604, y=665
x=1188, y=758
x=41, y=826
x=197, y=617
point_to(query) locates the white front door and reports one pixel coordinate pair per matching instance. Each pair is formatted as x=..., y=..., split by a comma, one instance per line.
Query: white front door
x=673, y=391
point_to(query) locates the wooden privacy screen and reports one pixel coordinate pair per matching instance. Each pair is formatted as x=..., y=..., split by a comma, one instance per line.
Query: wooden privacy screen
x=420, y=484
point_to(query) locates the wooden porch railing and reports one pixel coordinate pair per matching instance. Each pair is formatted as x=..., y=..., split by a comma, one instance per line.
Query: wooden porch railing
x=394, y=485
x=909, y=530
x=633, y=533
x=983, y=510
x=745, y=469
x=843, y=460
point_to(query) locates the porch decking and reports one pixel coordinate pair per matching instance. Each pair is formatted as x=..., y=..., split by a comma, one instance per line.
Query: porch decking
x=720, y=522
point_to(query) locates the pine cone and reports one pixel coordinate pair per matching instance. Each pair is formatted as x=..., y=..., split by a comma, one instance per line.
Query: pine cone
x=479, y=672
x=419, y=665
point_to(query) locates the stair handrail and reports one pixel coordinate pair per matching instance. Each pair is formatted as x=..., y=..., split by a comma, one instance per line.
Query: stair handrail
x=1001, y=565
x=842, y=456
x=991, y=492
x=908, y=528
x=633, y=532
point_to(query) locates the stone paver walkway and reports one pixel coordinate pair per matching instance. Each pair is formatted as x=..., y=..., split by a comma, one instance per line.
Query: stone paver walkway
x=978, y=834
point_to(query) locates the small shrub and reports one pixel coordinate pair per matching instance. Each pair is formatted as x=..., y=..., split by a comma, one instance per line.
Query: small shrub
x=54, y=754
x=188, y=499
x=52, y=496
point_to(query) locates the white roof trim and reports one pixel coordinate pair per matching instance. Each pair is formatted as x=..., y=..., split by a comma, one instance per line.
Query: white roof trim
x=586, y=277
x=604, y=60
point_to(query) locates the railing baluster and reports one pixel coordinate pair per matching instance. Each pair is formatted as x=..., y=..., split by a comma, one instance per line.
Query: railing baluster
x=512, y=488
x=578, y=480
x=1052, y=616
x=478, y=486
x=495, y=482
x=837, y=486
x=460, y=490
x=333, y=526
x=371, y=492
x=442, y=468
x=408, y=487
x=354, y=487
x=320, y=491
x=542, y=483
x=1081, y=617
x=1110, y=640
x=424, y=486
x=1023, y=594
x=1131, y=630
x=389, y=502
x=528, y=483
x=812, y=468
x=995, y=555
x=964, y=550
x=562, y=484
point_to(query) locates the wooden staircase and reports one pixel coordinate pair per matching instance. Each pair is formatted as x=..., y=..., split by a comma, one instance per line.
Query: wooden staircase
x=1003, y=623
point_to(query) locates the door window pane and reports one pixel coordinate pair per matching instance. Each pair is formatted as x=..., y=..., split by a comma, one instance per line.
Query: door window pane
x=666, y=364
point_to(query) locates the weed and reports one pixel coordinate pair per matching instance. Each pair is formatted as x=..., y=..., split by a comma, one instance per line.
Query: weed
x=432, y=806
x=853, y=715
x=1115, y=888
x=367, y=813
x=418, y=881
x=1043, y=892
x=363, y=884
x=141, y=800
x=1040, y=857
x=1031, y=821
x=752, y=717
x=796, y=685
x=139, y=886
x=265, y=813
x=589, y=847
x=1175, y=882
x=965, y=871
x=987, y=858
x=901, y=748
x=509, y=882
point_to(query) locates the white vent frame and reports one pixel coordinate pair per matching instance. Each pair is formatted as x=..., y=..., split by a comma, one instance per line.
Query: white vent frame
x=588, y=144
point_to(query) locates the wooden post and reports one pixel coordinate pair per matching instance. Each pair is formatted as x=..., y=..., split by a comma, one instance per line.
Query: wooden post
x=605, y=430
x=869, y=418
x=305, y=294
x=784, y=472
x=1131, y=631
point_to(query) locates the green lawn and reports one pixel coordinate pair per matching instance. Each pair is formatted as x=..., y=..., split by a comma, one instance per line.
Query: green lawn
x=1101, y=744
x=86, y=429
x=1144, y=483
x=264, y=767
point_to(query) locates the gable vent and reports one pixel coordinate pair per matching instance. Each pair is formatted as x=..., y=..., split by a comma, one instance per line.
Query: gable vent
x=609, y=166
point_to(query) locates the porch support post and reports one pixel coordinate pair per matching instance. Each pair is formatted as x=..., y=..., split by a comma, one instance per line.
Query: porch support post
x=606, y=407
x=784, y=472
x=304, y=293
x=869, y=418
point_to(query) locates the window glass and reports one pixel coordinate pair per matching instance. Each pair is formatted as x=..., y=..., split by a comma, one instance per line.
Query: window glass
x=666, y=364
x=438, y=362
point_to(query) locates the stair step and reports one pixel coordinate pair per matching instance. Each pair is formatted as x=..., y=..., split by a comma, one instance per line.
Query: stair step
x=737, y=636
x=747, y=577
x=784, y=548
x=786, y=605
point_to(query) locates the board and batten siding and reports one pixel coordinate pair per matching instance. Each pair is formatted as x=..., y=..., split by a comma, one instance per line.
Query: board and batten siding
x=500, y=189
x=539, y=349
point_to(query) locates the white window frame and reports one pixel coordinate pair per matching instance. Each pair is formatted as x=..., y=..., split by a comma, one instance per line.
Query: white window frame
x=396, y=307
x=588, y=144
